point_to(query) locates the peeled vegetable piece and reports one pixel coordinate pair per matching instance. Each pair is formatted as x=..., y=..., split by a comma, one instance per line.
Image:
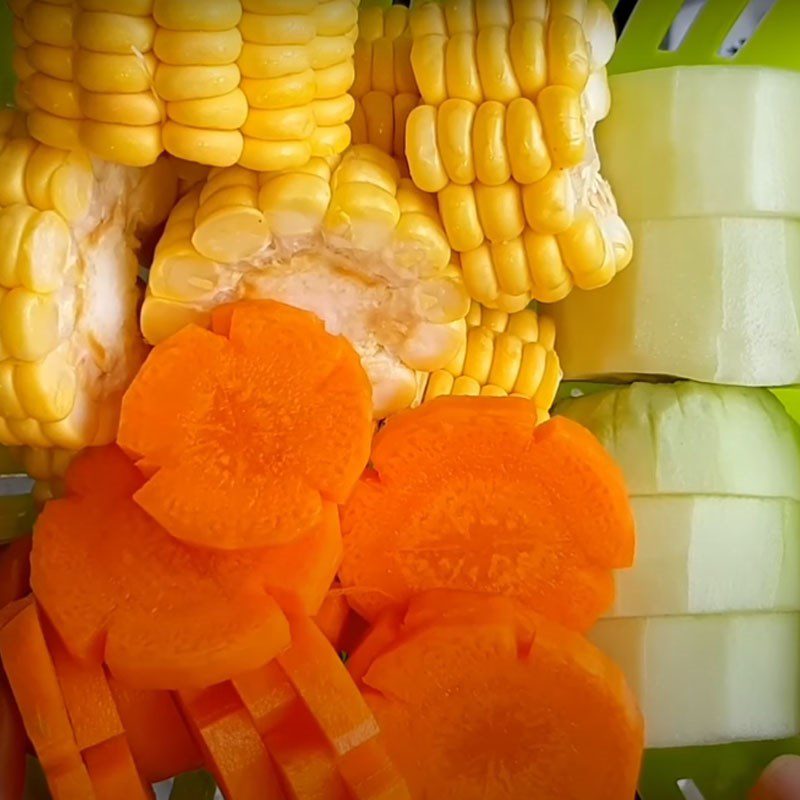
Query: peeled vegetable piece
x=510, y=94
x=215, y=618
x=712, y=678
x=473, y=705
x=249, y=433
x=712, y=292
x=12, y=747
x=346, y=239
x=467, y=493
x=69, y=344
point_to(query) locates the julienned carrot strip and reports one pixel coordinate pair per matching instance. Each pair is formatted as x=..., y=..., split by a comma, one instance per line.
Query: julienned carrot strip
x=370, y=774
x=246, y=433
x=157, y=734
x=377, y=639
x=33, y=681
x=12, y=747
x=332, y=617
x=267, y=694
x=471, y=709
x=113, y=772
x=469, y=494
x=233, y=748
x=15, y=570
x=214, y=617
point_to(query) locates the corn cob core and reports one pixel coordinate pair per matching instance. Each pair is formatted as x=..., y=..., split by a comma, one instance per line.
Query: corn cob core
x=511, y=91
x=503, y=355
x=68, y=288
x=262, y=83
x=384, y=89
x=346, y=238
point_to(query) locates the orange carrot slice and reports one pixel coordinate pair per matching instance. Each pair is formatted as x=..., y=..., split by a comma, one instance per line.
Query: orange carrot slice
x=157, y=734
x=333, y=616
x=469, y=711
x=376, y=640
x=214, y=619
x=468, y=493
x=232, y=746
x=370, y=774
x=15, y=570
x=247, y=433
x=33, y=681
x=12, y=747
x=267, y=694
x=113, y=772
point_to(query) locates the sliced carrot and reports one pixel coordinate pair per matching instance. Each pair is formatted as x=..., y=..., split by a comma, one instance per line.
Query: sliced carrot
x=113, y=772
x=267, y=694
x=33, y=681
x=12, y=747
x=333, y=616
x=213, y=618
x=10, y=610
x=370, y=774
x=15, y=570
x=233, y=748
x=469, y=494
x=469, y=712
x=247, y=433
x=157, y=734
x=376, y=640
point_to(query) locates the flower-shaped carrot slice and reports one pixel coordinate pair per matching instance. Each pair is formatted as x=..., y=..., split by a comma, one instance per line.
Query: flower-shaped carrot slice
x=246, y=431
x=472, y=707
x=468, y=493
x=162, y=614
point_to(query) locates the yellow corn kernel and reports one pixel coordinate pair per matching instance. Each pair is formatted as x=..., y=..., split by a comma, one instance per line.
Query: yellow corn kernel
x=460, y=15
x=358, y=126
x=47, y=389
x=529, y=9
x=14, y=159
x=480, y=353
x=506, y=362
x=188, y=48
x=492, y=163
x=428, y=63
x=563, y=124
x=362, y=60
x=279, y=7
x=17, y=7
x=548, y=387
x=395, y=21
x=197, y=15
x=326, y=51
x=333, y=81
x=404, y=78
x=412, y=201
x=570, y=8
x=114, y=73
x=527, y=327
x=379, y=118
x=547, y=332
x=426, y=20
x=227, y=235
x=403, y=104
x=531, y=369
x=29, y=432
x=270, y=29
x=459, y=209
x=44, y=253
x=429, y=346
x=218, y=179
x=136, y=8
x=50, y=24
x=181, y=274
x=42, y=165
x=282, y=92
x=464, y=386
x=425, y=162
x=29, y=324
x=567, y=53
x=72, y=186
x=496, y=71
x=217, y=148
x=461, y=68
x=73, y=432
x=334, y=17
x=125, y=109
x=420, y=244
x=442, y=297
x=550, y=277
x=226, y=113
x=370, y=22
x=21, y=65
x=330, y=140
x=273, y=61
x=491, y=318
x=480, y=280
x=14, y=224
x=550, y=203
x=36, y=462
x=195, y=83
x=454, y=124
x=269, y=156
x=362, y=214
x=54, y=96
x=20, y=36
x=54, y=131
x=383, y=66
x=294, y=204
x=500, y=211
x=440, y=384
x=511, y=267
x=285, y=124
x=582, y=246
x=335, y=111
x=527, y=151
x=57, y=62
x=10, y=406
x=233, y=196
x=135, y=146
x=528, y=56
x=114, y=33
x=161, y=318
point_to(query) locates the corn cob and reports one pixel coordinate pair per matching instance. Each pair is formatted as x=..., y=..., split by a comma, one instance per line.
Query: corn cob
x=511, y=91
x=347, y=238
x=68, y=288
x=503, y=354
x=262, y=83
x=384, y=88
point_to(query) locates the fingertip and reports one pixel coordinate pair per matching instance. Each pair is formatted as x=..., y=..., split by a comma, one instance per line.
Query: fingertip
x=779, y=781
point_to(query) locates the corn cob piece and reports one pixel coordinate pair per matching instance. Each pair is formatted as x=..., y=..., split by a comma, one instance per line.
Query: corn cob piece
x=218, y=82
x=503, y=354
x=47, y=466
x=68, y=289
x=346, y=238
x=511, y=91
x=384, y=88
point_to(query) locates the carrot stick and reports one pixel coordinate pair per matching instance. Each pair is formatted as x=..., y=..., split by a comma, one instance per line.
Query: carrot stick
x=15, y=570
x=332, y=617
x=12, y=747
x=376, y=639
x=245, y=432
x=113, y=772
x=469, y=494
x=471, y=708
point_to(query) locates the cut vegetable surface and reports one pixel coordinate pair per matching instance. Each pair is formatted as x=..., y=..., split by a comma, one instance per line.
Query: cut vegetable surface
x=12, y=747
x=474, y=705
x=468, y=493
x=249, y=433
x=347, y=239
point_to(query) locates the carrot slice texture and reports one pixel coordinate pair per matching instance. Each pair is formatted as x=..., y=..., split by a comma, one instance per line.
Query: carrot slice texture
x=469, y=494
x=232, y=746
x=375, y=641
x=157, y=734
x=15, y=570
x=33, y=681
x=214, y=618
x=333, y=616
x=113, y=772
x=246, y=433
x=468, y=712
x=12, y=747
